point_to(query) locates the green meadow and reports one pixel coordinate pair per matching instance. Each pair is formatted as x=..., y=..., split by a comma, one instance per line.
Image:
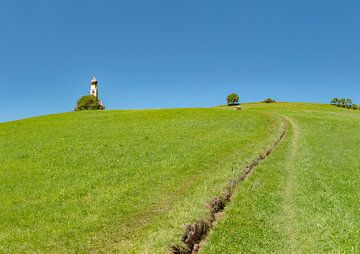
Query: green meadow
x=127, y=181
x=304, y=197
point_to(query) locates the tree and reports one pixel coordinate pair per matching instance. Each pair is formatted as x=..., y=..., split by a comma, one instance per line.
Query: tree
x=342, y=102
x=348, y=103
x=89, y=102
x=334, y=101
x=269, y=100
x=232, y=99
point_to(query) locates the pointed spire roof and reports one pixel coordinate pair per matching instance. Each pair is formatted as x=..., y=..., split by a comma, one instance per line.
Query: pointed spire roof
x=93, y=80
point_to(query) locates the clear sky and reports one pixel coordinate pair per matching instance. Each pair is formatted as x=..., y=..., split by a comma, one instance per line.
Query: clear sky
x=175, y=53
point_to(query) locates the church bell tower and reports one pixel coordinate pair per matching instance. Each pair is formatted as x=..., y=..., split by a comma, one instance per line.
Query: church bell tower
x=94, y=87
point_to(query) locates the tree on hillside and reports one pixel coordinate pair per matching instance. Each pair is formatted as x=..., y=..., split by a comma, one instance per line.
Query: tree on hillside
x=232, y=99
x=89, y=102
x=334, y=101
x=348, y=103
x=342, y=102
x=269, y=100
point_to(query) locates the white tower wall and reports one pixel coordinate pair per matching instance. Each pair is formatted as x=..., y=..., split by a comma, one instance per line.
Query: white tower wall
x=94, y=87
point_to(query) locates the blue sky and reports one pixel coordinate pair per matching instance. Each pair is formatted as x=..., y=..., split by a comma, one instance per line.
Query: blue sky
x=175, y=53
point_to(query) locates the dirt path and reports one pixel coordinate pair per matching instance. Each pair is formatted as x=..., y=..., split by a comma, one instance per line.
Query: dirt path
x=289, y=186
x=195, y=234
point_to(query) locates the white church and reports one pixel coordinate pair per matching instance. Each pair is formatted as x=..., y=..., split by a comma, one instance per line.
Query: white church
x=88, y=102
x=94, y=90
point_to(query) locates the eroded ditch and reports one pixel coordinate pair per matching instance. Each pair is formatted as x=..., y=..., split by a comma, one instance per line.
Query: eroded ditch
x=195, y=233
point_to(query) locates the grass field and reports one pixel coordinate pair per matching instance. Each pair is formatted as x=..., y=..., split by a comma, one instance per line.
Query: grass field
x=127, y=181
x=304, y=198
x=118, y=181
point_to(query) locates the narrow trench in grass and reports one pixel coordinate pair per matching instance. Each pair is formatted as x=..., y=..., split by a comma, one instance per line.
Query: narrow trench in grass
x=195, y=233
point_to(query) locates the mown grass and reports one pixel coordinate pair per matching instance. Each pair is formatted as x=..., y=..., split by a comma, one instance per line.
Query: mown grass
x=126, y=181
x=303, y=198
x=118, y=181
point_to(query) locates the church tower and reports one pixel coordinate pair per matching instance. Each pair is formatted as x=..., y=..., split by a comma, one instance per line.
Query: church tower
x=94, y=87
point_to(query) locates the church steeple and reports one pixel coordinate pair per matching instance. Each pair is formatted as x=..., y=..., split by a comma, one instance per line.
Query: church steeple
x=94, y=87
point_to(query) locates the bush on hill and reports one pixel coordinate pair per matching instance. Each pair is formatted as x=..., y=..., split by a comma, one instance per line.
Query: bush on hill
x=269, y=100
x=334, y=101
x=344, y=103
x=232, y=99
x=89, y=102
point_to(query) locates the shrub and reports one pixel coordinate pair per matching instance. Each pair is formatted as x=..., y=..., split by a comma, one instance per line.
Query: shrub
x=89, y=102
x=269, y=100
x=232, y=99
x=344, y=103
x=348, y=103
x=334, y=101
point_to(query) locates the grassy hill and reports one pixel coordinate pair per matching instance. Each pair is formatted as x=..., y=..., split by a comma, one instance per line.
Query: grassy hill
x=304, y=197
x=127, y=181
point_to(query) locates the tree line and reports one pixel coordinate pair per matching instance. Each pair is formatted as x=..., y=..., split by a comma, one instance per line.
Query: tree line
x=344, y=103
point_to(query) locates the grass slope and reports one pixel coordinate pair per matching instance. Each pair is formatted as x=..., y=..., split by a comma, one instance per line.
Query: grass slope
x=304, y=198
x=126, y=181
x=119, y=181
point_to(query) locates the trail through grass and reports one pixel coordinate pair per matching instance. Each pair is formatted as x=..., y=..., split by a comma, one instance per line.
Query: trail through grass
x=303, y=199
x=289, y=186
